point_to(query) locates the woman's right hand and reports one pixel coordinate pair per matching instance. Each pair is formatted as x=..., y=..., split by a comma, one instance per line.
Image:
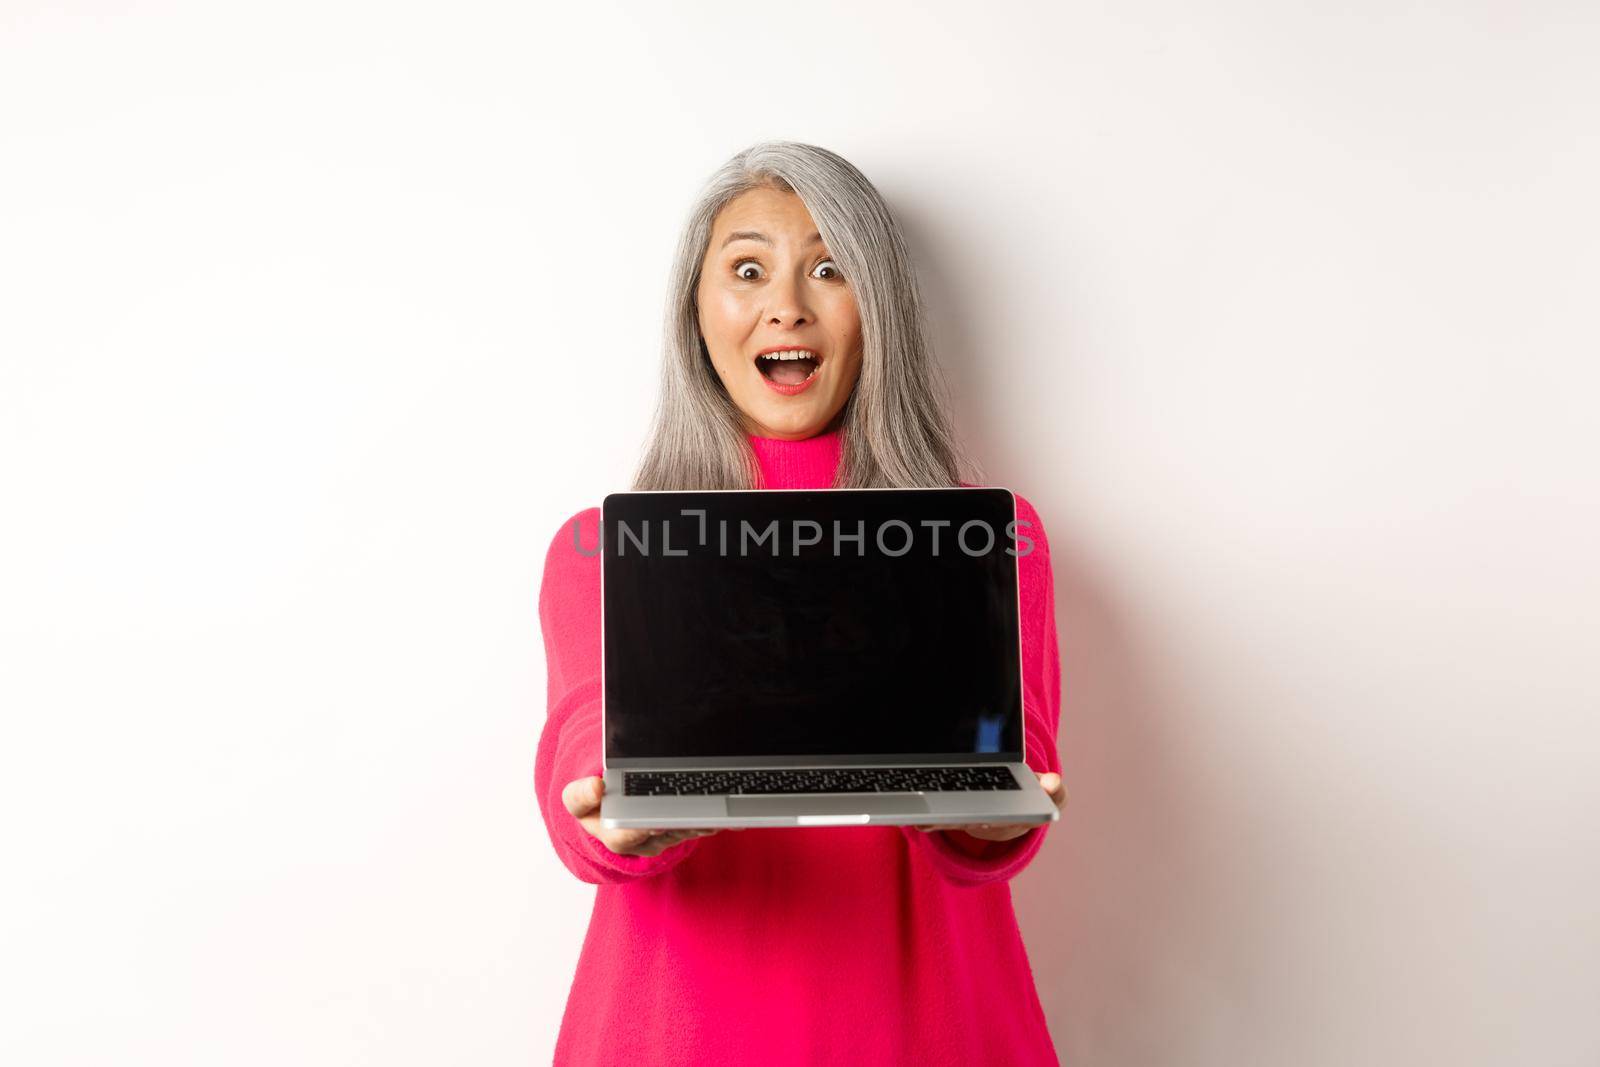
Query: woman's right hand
x=582, y=798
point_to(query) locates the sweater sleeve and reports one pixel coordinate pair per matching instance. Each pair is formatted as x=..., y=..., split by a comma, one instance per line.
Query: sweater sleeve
x=570, y=745
x=958, y=856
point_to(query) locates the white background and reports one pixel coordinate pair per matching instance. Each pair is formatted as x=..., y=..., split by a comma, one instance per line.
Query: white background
x=317, y=319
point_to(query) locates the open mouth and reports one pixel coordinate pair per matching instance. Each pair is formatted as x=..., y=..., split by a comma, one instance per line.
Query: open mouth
x=789, y=366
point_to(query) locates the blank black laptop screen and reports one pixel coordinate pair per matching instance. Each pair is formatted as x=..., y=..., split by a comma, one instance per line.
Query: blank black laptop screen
x=845, y=624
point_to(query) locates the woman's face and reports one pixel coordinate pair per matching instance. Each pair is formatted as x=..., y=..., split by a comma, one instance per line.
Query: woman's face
x=767, y=282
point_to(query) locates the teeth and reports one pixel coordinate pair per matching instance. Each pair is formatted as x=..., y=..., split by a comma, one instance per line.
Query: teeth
x=791, y=353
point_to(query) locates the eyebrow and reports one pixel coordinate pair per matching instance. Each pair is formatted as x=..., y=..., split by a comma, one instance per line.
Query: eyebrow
x=756, y=235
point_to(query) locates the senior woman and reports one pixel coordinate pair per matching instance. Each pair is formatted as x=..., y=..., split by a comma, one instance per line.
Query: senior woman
x=796, y=358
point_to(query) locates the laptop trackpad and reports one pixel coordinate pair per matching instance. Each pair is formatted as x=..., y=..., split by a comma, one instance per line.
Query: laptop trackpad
x=802, y=804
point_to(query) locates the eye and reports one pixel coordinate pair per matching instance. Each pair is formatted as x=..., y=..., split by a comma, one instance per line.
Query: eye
x=743, y=267
x=831, y=265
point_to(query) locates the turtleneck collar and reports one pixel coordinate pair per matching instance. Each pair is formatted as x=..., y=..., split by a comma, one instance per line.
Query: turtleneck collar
x=807, y=464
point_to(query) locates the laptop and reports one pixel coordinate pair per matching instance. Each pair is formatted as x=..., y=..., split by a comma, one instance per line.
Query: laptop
x=813, y=657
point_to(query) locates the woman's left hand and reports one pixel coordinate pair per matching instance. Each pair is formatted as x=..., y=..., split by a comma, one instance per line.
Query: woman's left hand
x=1050, y=782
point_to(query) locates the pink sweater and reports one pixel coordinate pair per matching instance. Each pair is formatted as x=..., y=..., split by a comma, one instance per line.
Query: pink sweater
x=874, y=945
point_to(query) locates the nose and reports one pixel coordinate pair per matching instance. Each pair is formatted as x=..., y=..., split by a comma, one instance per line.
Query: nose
x=789, y=305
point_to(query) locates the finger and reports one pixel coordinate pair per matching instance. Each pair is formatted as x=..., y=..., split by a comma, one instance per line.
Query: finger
x=647, y=848
x=639, y=843
x=582, y=795
x=1052, y=784
x=999, y=831
x=661, y=840
x=665, y=840
x=620, y=841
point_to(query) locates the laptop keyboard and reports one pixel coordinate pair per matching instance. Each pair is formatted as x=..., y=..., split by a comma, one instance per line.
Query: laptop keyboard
x=816, y=780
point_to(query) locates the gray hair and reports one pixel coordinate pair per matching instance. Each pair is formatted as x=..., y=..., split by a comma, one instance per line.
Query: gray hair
x=895, y=428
